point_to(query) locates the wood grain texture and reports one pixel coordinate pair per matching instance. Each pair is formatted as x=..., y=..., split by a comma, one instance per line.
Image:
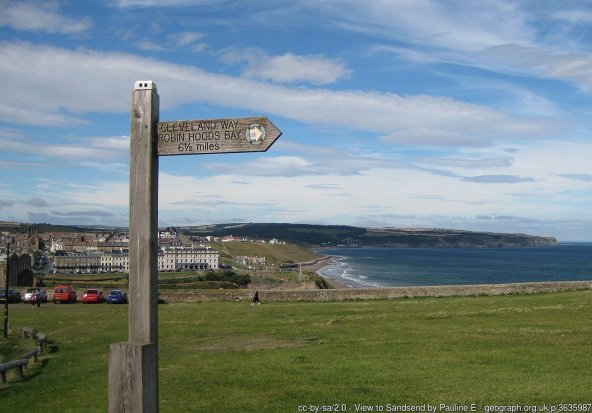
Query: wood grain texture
x=143, y=219
x=132, y=369
x=133, y=366
x=210, y=136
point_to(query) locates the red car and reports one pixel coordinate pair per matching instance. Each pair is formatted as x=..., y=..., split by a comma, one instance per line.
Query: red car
x=64, y=294
x=93, y=295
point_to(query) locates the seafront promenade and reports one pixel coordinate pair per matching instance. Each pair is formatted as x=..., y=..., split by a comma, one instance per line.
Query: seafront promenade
x=343, y=294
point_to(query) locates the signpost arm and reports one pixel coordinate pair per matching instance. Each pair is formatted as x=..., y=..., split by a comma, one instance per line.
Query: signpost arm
x=133, y=366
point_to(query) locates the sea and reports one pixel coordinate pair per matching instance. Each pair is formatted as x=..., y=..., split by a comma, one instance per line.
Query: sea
x=397, y=267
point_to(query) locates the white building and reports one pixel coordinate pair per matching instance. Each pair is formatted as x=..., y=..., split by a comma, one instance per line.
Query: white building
x=56, y=245
x=115, y=261
x=169, y=259
x=187, y=258
x=168, y=233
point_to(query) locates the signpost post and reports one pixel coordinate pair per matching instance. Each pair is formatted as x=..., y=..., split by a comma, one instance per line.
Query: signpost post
x=133, y=365
x=7, y=281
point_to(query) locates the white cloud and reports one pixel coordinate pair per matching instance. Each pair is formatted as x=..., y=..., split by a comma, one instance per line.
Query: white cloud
x=476, y=161
x=39, y=16
x=577, y=177
x=174, y=42
x=289, y=67
x=89, y=149
x=163, y=3
x=6, y=203
x=306, y=162
x=37, y=202
x=576, y=68
x=576, y=16
x=150, y=46
x=116, y=143
x=185, y=38
x=497, y=179
x=103, y=194
x=498, y=35
x=453, y=25
x=36, y=115
x=39, y=79
x=64, y=202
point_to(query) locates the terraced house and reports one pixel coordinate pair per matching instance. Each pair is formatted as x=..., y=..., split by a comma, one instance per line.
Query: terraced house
x=175, y=258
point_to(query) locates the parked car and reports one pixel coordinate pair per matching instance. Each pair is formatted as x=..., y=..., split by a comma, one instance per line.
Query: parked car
x=13, y=296
x=93, y=295
x=33, y=290
x=117, y=297
x=64, y=294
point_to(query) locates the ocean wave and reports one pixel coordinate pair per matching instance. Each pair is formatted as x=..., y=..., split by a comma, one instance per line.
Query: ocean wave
x=392, y=267
x=341, y=271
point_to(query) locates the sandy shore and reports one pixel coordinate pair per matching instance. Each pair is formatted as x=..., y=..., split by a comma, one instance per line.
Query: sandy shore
x=336, y=284
x=316, y=265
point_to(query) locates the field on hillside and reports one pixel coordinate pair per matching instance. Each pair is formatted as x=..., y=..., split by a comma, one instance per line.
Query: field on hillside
x=275, y=253
x=278, y=357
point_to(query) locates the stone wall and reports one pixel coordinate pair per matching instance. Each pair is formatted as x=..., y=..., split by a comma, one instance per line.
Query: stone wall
x=21, y=274
x=176, y=296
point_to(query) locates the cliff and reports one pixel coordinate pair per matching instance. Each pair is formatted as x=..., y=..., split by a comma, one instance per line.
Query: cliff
x=343, y=235
x=447, y=238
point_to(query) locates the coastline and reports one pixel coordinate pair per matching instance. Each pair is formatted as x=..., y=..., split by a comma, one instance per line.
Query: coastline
x=335, y=283
x=385, y=268
x=317, y=265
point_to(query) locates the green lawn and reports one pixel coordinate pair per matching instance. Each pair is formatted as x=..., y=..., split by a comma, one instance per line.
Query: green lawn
x=274, y=253
x=233, y=357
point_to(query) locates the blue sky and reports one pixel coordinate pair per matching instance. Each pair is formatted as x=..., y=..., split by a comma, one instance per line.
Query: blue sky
x=410, y=113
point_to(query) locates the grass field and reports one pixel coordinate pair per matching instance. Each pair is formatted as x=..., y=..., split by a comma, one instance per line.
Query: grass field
x=233, y=357
x=274, y=253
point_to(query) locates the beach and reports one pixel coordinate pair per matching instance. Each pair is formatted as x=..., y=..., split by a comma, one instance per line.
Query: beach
x=316, y=265
x=336, y=284
x=408, y=267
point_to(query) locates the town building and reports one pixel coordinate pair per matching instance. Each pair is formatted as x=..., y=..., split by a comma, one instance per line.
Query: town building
x=170, y=232
x=78, y=262
x=180, y=258
x=251, y=262
x=172, y=258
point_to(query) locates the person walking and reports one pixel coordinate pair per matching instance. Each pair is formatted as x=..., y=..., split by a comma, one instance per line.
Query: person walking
x=256, y=298
x=37, y=298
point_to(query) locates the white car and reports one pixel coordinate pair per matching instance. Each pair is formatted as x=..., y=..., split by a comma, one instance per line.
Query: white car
x=31, y=290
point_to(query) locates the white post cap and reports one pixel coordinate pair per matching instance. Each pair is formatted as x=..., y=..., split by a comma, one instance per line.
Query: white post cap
x=145, y=85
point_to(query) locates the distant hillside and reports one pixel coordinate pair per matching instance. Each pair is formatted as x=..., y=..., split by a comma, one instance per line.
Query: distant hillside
x=275, y=254
x=333, y=235
x=297, y=233
x=396, y=237
x=43, y=227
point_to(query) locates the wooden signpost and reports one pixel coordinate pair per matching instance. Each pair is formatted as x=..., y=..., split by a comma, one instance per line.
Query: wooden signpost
x=133, y=365
x=192, y=137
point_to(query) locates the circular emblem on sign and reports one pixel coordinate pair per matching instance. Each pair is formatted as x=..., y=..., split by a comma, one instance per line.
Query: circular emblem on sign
x=255, y=134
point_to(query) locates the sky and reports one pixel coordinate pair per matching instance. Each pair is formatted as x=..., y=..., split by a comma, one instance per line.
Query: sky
x=400, y=113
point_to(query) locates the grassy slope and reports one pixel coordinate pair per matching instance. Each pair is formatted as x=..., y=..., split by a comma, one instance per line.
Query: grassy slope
x=233, y=357
x=14, y=347
x=274, y=253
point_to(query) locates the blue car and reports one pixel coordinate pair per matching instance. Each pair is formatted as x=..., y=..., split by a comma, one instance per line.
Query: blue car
x=13, y=296
x=117, y=297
